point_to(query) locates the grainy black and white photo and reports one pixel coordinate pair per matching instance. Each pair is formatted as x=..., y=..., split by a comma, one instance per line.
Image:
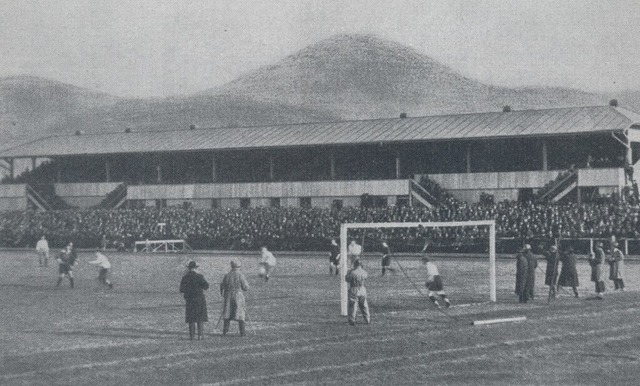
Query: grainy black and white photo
x=312, y=192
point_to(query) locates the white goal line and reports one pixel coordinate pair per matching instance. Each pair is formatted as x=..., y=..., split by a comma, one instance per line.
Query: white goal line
x=345, y=227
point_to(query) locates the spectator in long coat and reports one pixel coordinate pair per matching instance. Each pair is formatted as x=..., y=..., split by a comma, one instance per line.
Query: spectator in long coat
x=596, y=260
x=532, y=264
x=616, y=267
x=192, y=286
x=522, y=267
x=569, y=273
x=232, y=290
x=551, y=274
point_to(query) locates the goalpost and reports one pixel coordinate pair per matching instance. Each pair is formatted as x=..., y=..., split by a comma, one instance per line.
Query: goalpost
x=345, y=227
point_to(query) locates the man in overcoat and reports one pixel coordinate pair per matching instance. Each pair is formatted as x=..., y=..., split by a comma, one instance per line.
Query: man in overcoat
x=597, y=272
x=232, y=290
x=522, y=267
x=569, y=273
x=616, y=267
x=192, y=286
x=551, y=274
x=532, y=264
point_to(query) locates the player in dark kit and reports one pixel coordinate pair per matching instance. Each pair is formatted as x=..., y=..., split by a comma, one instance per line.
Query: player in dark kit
x=66, y=260
x=386, y=259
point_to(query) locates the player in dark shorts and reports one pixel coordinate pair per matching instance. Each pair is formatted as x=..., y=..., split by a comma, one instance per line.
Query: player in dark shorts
x=434, y=283
x=66, y=260
x=386, y=259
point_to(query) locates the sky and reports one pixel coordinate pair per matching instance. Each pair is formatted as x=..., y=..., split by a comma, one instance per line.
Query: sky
x=157, y=48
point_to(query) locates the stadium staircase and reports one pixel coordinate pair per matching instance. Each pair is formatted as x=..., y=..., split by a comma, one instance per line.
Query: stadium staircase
x=44, y=197
x=429, y=193
x=556, y=189
x=115, y=198
x=421, y=195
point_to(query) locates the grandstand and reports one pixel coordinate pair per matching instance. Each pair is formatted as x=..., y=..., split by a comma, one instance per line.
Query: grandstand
x=550, y=155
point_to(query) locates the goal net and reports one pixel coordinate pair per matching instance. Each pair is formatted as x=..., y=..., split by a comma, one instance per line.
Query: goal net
x=411, y=238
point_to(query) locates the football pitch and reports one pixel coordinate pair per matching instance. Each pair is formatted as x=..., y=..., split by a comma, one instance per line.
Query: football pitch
x=135, y=333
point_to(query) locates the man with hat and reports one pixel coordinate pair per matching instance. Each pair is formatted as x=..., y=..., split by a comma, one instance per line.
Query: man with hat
x=357, y=293
x=192, y=286
x=596, y=260
x=532, y=264
x=526, y=264
x=569, y=273
x=232, y=290
x=551, y=274
x=616, y=266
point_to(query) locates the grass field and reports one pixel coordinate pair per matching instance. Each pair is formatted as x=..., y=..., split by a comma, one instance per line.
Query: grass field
x=135, y=333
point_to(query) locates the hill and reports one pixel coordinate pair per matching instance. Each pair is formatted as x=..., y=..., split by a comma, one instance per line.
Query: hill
x=32, y=106
x=343, y=77
x=361, y=76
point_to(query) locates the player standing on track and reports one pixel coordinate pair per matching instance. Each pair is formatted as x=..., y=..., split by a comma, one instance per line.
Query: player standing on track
x=334, y=257
x=267, y=263
x=232, y=290
x=66, y=261
x=103, y=265
x=357, y=293
x=42, y=248
x=434, y=283
x=192, y=286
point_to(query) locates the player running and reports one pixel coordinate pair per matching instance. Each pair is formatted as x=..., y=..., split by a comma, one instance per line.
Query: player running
x=334, y=257
x=434, y=283
x=267, y=263
x=103, y=265
x=66, y=261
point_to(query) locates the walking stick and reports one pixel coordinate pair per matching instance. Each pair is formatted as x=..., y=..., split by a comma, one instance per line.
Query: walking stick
x=251, y=322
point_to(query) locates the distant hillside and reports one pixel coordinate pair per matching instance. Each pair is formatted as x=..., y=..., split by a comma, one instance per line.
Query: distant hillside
x=361, y=76
x=32, y=106
x=344, y=77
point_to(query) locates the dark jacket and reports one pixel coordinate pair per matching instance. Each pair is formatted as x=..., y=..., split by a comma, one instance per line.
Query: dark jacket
x=522, y=266
x=192, y=286
x=532, y=264
x=551, y=274
x=569, y=273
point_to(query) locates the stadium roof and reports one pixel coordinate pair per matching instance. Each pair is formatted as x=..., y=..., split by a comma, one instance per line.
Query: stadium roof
x=526, y=123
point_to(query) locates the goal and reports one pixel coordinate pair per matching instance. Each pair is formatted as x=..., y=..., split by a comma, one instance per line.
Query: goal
x=346, y=227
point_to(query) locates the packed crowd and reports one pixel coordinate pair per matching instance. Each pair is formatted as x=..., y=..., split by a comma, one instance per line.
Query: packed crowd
x=312, y=228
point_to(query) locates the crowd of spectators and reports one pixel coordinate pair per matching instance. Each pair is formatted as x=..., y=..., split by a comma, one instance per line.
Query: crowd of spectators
x=311, y=228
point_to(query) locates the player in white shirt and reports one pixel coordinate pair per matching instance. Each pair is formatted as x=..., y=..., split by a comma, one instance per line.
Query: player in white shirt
x=434, y=283
x=354, y=250
x=103, y=265
x=267, y=263
x=42, y=248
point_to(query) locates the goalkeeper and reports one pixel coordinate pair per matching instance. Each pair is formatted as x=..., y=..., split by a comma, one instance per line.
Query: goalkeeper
x=386, y=259
x=434, y=283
